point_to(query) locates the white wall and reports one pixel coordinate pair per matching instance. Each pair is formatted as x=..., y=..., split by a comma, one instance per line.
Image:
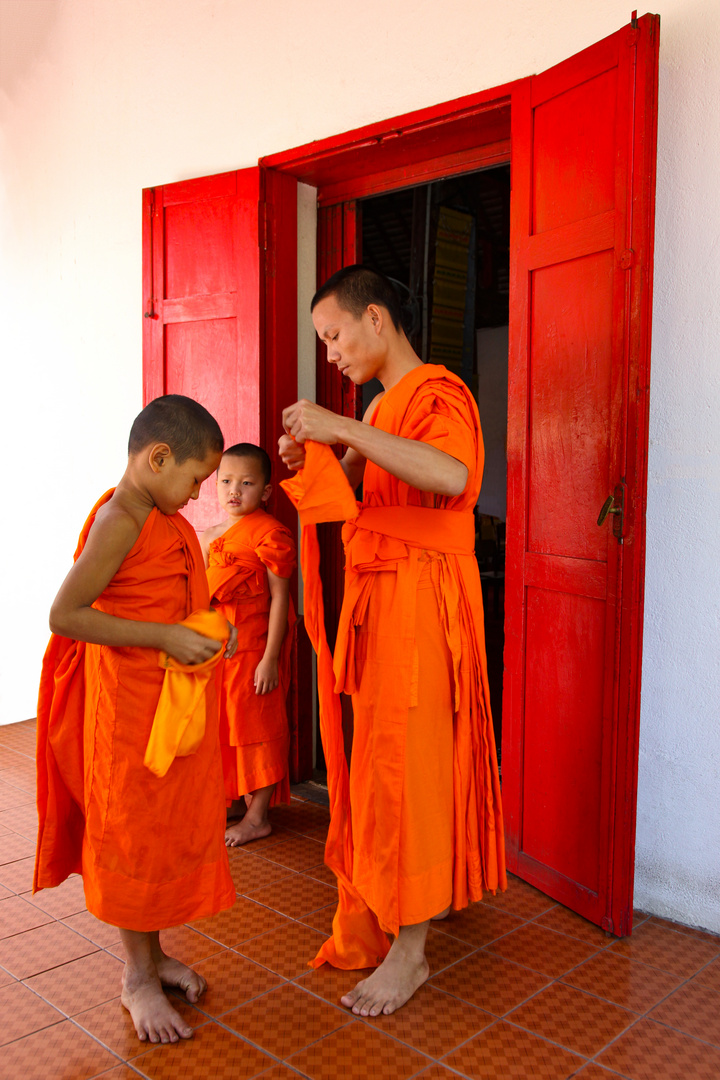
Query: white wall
x=100, y=98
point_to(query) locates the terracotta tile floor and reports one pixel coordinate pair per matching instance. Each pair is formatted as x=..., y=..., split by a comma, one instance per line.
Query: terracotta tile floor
x=520, y=986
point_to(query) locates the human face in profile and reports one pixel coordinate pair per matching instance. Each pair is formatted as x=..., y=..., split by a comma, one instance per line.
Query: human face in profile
x=354, y=345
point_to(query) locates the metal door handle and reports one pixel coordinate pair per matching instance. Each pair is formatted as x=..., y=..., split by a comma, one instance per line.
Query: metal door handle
x=618, y=499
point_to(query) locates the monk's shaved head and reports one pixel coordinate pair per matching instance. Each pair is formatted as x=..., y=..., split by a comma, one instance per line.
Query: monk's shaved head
x=185, y=425
x=356, y=287
x=255, y=453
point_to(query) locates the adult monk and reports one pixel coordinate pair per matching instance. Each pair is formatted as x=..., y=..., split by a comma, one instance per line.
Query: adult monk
x=127, y=715
x=426, y=829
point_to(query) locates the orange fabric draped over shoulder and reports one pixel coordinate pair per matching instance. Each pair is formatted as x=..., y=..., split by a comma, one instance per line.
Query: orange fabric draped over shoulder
x=102, y=812
x=410, y=646
x=254, y=732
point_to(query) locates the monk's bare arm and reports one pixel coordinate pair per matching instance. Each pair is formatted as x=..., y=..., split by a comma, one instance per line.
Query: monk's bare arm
x=267, y=671
x=110, y=539
x=415, y=463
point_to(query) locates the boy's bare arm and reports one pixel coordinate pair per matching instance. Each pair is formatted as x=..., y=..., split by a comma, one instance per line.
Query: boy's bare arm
x=110, y=539
x=266, y=673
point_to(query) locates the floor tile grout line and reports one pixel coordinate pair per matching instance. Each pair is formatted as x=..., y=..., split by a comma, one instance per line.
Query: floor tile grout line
x=563, y=1046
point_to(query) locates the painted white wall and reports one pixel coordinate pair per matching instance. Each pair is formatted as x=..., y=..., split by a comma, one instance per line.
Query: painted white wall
x=99, y=99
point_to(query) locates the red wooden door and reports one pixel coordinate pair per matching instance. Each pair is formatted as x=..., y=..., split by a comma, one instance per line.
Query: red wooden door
x=220, y=325
x=583, y=155
x=220, y=292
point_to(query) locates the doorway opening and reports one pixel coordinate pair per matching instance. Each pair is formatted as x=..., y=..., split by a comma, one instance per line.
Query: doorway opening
x=446, y=246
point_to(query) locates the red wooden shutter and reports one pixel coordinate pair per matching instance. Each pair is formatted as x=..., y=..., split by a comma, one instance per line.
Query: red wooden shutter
x=583, y=158
x=220, y=284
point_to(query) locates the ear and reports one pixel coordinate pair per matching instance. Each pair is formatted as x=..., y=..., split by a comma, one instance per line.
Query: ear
x=267, y=492
x=158, y=456
x=375, y=314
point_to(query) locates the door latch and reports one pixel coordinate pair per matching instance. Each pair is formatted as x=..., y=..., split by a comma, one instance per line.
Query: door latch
x=615, y=504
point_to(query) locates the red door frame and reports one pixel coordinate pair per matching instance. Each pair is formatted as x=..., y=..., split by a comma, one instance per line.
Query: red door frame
x=442, y=141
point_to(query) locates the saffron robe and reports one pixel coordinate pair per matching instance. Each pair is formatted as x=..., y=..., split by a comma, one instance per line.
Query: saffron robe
x=410, y=649
x=150, y=849
x=254, y=732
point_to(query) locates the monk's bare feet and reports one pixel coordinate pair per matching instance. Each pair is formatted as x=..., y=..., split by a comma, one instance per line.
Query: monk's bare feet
x=152, y=1014
x=401, y=973
x=182, y=977
x=443, y=915
x=245, y=831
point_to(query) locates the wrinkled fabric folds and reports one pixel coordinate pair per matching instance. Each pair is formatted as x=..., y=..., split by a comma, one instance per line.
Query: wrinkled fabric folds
x=389, y=542
x=254, y=731
x=150, y=848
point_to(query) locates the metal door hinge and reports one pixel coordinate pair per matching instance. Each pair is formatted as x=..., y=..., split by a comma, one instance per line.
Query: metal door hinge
x=626, y=259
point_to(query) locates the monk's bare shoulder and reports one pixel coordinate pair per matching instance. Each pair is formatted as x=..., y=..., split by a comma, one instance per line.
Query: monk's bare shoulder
x=117, y=525
x=370, y=411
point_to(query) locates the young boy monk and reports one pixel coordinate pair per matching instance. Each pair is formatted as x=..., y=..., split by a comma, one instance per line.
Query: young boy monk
x=410, y=645
x=115, y=771
x=250, y=557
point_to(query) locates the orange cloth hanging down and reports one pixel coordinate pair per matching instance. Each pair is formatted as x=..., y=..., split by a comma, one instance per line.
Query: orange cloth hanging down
x=179, y=724
x=410, y=642
x=254, y=732
x=150, y=849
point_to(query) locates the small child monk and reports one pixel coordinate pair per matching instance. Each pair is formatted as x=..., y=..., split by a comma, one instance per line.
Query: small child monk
x=250, y=557
x=108, y=805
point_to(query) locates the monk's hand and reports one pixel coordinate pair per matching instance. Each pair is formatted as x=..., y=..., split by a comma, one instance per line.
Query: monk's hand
x=291, y=453
x=232, y=642
x=267, y=676
x=187, y=647
x=305, y=420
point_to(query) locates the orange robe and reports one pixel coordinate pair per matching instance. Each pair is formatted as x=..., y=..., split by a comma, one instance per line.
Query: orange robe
x=424, y=816
x=254, y=732
x=150, y=849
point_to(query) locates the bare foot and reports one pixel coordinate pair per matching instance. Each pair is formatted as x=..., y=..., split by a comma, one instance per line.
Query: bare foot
x=443, y=915
x=245, y=831
x=390, y=986
x=152, y=1014
x=173, y=973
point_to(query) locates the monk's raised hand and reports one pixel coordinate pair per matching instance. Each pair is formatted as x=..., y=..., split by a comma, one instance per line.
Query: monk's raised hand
x=305, y=420
x=187, y=647
x=232, y=642
x=292, y=453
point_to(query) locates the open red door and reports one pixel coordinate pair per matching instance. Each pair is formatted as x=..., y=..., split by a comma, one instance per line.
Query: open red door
x=220, y=325
x=583, y=166
x=220, y=294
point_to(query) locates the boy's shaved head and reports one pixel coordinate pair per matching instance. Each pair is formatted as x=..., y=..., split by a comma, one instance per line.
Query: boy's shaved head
x=185, y=425
x=356, y=287
x=256, y=453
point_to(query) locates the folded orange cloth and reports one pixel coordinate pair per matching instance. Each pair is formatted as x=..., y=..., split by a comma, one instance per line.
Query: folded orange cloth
x=102, y=813
x=179, y=723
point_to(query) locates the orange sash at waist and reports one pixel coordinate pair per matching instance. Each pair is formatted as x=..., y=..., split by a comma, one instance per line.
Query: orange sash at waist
x=449, y=531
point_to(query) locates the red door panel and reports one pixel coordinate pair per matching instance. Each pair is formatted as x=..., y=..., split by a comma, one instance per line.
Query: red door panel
x=203, y=336
x=583, y=160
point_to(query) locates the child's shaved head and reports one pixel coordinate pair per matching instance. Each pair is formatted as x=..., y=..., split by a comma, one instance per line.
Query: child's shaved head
x=185, y=425
x=256, y=453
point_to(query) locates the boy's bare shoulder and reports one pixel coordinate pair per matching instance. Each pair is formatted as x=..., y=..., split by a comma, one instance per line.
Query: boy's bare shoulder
x=214, y=531
x=118, y=524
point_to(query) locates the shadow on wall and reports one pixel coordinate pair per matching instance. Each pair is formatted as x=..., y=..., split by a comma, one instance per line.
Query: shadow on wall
x=25, y=30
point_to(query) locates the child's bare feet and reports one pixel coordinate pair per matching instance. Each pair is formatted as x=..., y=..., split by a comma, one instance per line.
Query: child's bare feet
x=402, y=972
x=173, y=973
x=152, y=1014
x=245, y=831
